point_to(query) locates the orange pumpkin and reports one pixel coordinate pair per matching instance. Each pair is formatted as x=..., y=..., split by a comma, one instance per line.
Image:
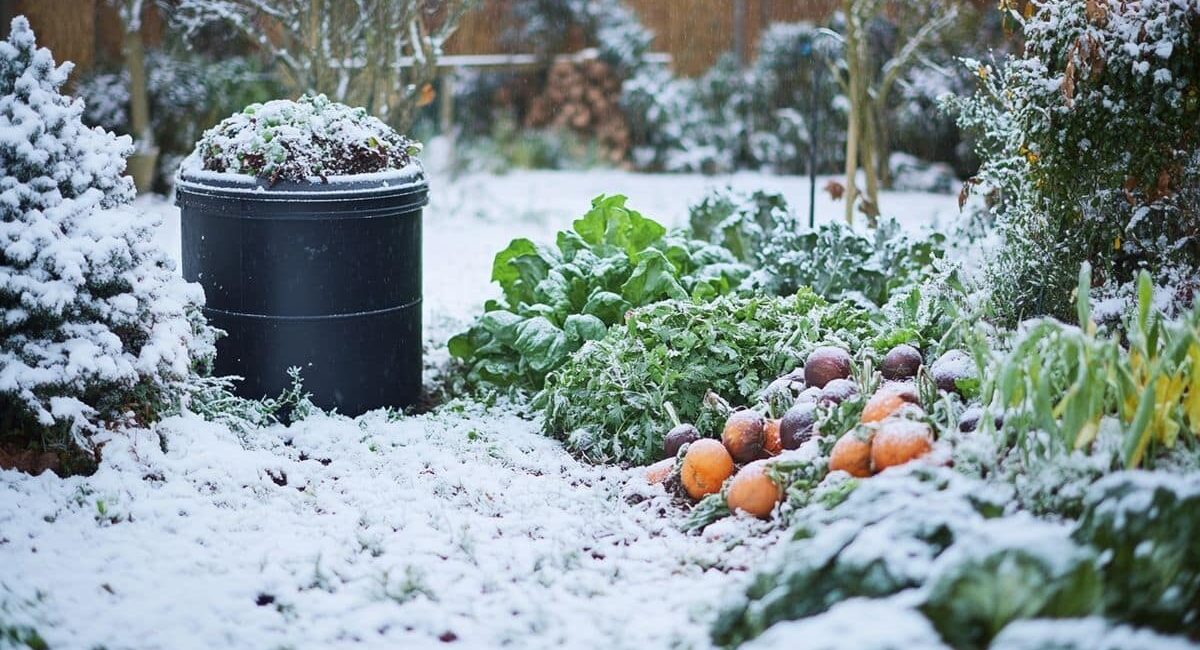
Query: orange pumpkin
x=899, y=441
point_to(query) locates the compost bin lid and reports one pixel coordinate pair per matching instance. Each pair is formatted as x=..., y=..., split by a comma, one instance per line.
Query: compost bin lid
x=409, y=180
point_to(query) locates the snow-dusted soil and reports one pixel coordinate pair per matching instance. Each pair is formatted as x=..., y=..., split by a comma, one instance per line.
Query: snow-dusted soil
x=390, y=534
x=463, y=527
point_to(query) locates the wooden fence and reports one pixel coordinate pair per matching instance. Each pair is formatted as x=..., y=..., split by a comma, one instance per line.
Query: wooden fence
x=693, y=32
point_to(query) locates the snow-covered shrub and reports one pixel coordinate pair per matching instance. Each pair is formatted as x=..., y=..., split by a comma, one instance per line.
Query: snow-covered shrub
x=95, y=326
x=1146, y=526
x=914, y=175
x=312, y=137
x=732, y=118
x=1090, y=147
x=381, y=54
x=187, y=93
x=610, y=25
x=916, y=126
x=788, y=87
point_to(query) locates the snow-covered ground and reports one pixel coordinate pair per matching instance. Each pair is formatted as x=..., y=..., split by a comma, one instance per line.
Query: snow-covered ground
x=391, y=534
x=462, y=527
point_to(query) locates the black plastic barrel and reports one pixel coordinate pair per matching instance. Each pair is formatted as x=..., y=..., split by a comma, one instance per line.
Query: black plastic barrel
x=322, y=276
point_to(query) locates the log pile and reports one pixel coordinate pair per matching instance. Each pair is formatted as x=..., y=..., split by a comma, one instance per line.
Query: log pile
x=585, y=98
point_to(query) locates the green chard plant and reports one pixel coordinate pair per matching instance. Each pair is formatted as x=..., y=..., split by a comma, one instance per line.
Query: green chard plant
x=556, y=298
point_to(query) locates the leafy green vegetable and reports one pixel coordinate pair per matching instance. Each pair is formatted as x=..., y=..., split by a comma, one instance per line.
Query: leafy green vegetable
x=1007, y=571
x=607, y=402
x=556, y=298
x=880, y=537
x=1061, y=380
x=833, y=259
x=1146, y=527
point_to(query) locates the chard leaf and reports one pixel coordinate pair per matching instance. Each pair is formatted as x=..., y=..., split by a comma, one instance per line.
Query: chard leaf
x=583, y=327
x=542, y=345
x=653, y=279
x=607, y=306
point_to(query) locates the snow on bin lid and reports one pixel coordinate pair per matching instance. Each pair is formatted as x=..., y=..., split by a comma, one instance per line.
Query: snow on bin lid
x=306, y=142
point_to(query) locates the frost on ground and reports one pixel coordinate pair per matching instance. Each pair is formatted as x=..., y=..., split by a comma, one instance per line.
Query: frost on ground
x=468, y=527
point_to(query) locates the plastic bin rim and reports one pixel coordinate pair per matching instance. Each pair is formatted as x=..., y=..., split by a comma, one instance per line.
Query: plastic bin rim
x=410, y=180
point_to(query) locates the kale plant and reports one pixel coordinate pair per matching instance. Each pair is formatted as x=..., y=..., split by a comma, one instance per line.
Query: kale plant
x=1145, y=525
x=834, y=259
x=882, y=539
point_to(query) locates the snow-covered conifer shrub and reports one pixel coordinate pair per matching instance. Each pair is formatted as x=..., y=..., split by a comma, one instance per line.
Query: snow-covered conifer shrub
x=1091, y=147
x=96, y=328
x=302, y=140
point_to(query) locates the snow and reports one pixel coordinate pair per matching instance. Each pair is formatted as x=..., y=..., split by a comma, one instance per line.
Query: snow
x=856, y=623
x=391, y=534
x=304, y=140
x=1093, y=633
x=465, y=524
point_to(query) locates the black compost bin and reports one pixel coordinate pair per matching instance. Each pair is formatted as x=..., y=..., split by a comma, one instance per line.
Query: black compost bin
x=322, y=276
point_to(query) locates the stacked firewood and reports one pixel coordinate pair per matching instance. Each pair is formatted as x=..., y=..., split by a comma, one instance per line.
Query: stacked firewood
x=584, y=97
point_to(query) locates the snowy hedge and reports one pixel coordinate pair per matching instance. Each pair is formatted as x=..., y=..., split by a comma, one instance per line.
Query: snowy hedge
x=1090, y=145
x=95, y=325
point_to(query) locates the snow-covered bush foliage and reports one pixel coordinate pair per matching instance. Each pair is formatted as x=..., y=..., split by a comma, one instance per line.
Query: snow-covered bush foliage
x=910, y=174
x=833, y=259
x=96, y=326
x=788, y=87
x=187, y=93
x=1145, y=526
x=730, y=118
x=378, y=54
x=311, y=138
x=1090, y=147
x=610, y=25
x=915, y=124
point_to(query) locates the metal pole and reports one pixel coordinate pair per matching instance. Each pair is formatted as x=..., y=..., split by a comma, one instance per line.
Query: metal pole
x=813, y=130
